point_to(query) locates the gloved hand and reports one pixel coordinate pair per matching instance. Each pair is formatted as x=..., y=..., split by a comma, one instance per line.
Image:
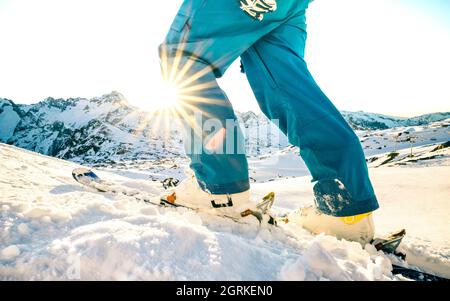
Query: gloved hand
x=258, y=8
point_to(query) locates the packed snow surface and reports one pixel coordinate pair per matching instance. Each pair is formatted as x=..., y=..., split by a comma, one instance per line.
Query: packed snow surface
x=53, y=228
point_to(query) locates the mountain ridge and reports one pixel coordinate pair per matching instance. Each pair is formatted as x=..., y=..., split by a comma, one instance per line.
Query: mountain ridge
x=108, y=128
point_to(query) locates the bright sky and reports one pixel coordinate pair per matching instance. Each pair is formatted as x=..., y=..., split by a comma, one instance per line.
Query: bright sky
x=385, y=56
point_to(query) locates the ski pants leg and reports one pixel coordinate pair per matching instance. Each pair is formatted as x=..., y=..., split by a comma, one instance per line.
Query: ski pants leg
x=205, y=37
x=287, y=92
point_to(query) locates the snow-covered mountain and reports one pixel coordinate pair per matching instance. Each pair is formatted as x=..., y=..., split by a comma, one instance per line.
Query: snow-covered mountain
x=373, y=121
x=107, y=129
x=96, y=130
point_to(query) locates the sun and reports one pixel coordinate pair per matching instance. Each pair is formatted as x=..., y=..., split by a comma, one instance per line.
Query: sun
x=178, y=93
x=168, y=96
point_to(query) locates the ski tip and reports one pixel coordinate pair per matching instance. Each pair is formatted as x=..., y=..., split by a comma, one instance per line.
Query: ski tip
x=81, y=172
x=77, y=172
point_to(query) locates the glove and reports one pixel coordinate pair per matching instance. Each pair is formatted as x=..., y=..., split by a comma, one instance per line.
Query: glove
x=258, y=8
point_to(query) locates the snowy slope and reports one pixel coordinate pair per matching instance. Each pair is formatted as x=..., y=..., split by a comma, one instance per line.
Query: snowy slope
x=389, y=147
x=52, y=228
x=395, y=139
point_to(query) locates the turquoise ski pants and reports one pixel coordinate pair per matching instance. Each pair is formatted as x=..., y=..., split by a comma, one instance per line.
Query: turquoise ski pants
x=204, y=39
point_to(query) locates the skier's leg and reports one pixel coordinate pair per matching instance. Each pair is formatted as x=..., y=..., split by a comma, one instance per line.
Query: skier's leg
x=286, y=91
x=204, y=39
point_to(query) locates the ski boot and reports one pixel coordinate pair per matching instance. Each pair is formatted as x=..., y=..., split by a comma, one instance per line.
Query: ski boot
x=359, y=228
x=189, y=194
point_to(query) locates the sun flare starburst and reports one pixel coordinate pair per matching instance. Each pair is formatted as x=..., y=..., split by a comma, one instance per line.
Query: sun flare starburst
x=181, y=91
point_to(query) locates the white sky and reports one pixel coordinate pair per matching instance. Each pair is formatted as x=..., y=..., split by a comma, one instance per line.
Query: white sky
x=382, y=56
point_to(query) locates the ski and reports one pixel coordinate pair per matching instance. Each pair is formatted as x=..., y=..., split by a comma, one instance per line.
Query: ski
x=88, y=178
x=416, y=274
x=389, y=245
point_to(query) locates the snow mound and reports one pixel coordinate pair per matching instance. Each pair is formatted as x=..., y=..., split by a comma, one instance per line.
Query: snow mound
x=51, y=228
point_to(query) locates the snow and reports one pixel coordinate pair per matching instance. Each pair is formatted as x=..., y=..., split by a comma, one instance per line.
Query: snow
x=327, y=259
x=53, y=228
x=364, y=120
x=80, y=113
x=392, y=140
x=362, y=117
x=9, y=253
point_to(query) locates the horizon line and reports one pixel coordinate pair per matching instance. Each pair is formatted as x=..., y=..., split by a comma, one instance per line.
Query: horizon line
x=394, y=115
